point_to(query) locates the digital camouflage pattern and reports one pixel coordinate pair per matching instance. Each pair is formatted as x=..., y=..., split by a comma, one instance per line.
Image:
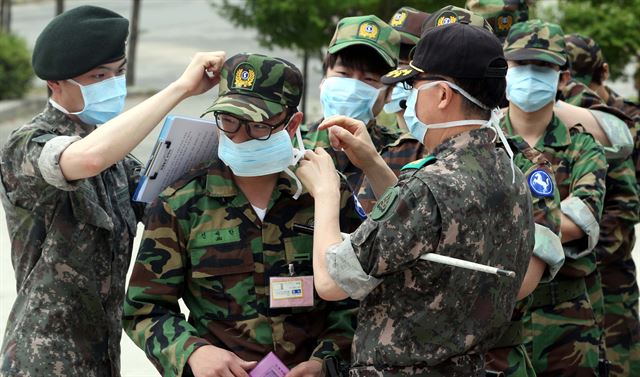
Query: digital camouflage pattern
x=257, y=87
x=369, y=31
x=70, y=247
x=428, y=318
x=536, y=40
x=561, y=335
x=452, y=14
x=380, y=136
x=205, y=244
x=500, y=14
x=585, y=56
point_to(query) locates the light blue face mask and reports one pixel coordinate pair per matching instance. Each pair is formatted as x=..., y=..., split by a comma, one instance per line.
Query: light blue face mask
x=531, y=87
x=103, y=100
x=418, y=128
x=255, y=158
x=398, y=95
x=348, y=97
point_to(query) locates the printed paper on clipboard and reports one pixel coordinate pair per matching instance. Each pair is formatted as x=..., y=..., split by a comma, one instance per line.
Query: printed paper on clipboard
x=182, y=144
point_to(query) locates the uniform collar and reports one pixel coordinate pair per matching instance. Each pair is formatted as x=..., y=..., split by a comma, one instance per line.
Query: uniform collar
x=468, y=139
x=63, y=125
x=556, y=134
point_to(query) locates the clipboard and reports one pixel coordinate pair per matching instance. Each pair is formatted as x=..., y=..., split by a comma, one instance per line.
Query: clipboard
x=183, y=143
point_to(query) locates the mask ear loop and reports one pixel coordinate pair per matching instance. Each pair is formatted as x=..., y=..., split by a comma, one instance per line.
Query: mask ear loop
x=298, y=154
x=494, y=124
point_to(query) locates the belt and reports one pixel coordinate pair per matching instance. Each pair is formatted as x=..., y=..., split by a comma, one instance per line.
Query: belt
x=514, y=335
x=558, y=291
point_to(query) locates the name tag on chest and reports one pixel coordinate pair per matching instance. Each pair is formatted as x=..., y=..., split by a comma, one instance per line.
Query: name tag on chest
x=289, y=292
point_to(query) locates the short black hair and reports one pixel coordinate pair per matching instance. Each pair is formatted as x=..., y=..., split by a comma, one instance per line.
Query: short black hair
x=358, y=57
x=489, y=91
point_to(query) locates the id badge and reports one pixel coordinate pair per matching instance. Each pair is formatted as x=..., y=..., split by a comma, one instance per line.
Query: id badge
x=290, y=291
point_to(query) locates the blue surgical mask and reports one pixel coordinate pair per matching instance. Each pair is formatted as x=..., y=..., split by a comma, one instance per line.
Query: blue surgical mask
x=398, y=95
x=418, y=128
x=255, y=158
x=103, y=100
x=348, y=97
x=531, y=87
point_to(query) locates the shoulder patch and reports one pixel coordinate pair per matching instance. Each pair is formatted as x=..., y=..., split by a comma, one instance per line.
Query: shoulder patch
x=540, y=183
x=419, y=164
x=386, y=202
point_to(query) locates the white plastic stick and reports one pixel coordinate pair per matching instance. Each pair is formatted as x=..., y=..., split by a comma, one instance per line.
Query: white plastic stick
x=466, y=264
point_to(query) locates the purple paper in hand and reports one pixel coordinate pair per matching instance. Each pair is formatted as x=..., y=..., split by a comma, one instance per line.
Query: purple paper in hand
x=269, y=366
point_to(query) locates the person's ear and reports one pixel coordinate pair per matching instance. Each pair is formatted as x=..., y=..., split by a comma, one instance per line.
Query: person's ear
x=446, y=96
x=294, y=123
x=54, y=86
x=605, y=72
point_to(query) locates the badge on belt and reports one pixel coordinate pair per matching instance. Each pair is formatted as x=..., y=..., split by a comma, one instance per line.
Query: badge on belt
x=290, y=291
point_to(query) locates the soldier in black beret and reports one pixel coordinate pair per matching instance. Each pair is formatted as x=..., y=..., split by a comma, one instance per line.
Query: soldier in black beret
x=66, y=187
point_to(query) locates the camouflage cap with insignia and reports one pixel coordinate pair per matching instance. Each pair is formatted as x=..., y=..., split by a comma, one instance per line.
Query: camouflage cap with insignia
x=536, y=40
x=452, y=14
x=408, y=21
x=257, y=87
x=369, y=31
x=501, y=14
x=584, y=55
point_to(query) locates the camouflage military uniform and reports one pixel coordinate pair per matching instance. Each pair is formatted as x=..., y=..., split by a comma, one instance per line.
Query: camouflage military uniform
x=617, y=238
x=572, y=345
x=501, y=14
x=71, y=245
x=425, y=318
x=204, y=243
x=510, y=356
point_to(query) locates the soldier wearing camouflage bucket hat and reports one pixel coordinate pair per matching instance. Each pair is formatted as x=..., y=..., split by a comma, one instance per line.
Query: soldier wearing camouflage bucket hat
x=223, y=239
x=362, y=49
x=66, y=182
x=501, y=14
x=615, y=261
x=560, y=340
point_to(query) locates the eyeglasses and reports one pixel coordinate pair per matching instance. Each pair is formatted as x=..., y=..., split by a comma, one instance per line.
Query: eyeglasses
x=408, y=85
x=229, y=124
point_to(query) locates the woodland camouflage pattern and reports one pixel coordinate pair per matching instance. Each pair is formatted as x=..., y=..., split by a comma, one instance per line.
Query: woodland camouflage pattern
x=257, y=87
x=452, y=14
x=428, y=318
x=408, y=22
x=500, y=14
x=536, y=40
x=585, y=56
x=70, y=248
x=562, y=337
x=204, y=243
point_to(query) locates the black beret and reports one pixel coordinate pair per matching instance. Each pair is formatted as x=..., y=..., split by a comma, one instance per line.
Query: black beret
x=79, y=40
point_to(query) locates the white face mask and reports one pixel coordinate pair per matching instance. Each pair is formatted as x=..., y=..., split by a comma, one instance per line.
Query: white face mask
x=419, y=129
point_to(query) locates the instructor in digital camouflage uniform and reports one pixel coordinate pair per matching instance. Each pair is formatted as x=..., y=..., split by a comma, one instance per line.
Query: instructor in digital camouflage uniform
x=617, y=233
x=561, y=333
x=217, y=236
x=66, y=190
x=463, y=200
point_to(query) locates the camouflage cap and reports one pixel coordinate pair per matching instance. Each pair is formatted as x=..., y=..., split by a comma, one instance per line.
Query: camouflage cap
x=501, y=14
x=452, y=14
x=369, y=31
x=536, y=40
x=257, y=87
x=408, y=21
x=584, y=55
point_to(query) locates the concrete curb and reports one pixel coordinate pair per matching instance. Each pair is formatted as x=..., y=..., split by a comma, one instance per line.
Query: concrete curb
x=32, y=104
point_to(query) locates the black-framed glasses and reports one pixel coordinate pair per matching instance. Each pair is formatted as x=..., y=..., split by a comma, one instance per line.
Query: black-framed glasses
x=230, y=124
x=408, y=85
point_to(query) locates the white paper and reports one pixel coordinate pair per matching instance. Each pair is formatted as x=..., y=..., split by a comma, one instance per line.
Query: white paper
x=183, y=143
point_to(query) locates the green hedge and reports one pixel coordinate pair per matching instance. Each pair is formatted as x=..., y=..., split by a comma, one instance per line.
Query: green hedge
x=15, y=67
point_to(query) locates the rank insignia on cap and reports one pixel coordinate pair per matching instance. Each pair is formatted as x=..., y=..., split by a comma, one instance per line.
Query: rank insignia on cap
x=447, y=18
x=398, y=19
x=399, y=72
x=244, y=76
x=504, y=22
x=540, y=183
x=368, y=30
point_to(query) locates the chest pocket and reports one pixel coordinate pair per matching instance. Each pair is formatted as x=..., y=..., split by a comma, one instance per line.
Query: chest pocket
x=298, y=252
x=222, y=275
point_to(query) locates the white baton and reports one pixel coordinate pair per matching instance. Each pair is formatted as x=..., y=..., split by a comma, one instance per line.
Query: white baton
x=466, y=264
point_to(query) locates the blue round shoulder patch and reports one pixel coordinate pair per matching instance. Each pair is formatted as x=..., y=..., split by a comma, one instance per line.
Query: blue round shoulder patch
x=541, y=183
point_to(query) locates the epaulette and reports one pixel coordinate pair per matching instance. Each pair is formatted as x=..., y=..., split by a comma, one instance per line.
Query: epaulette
x=419, y=164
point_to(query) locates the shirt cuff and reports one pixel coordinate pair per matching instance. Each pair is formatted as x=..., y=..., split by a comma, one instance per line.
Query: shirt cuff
x=580, y=214
x=618, y=134
x=345, y=269
x=548, y=248
x=49, y=162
